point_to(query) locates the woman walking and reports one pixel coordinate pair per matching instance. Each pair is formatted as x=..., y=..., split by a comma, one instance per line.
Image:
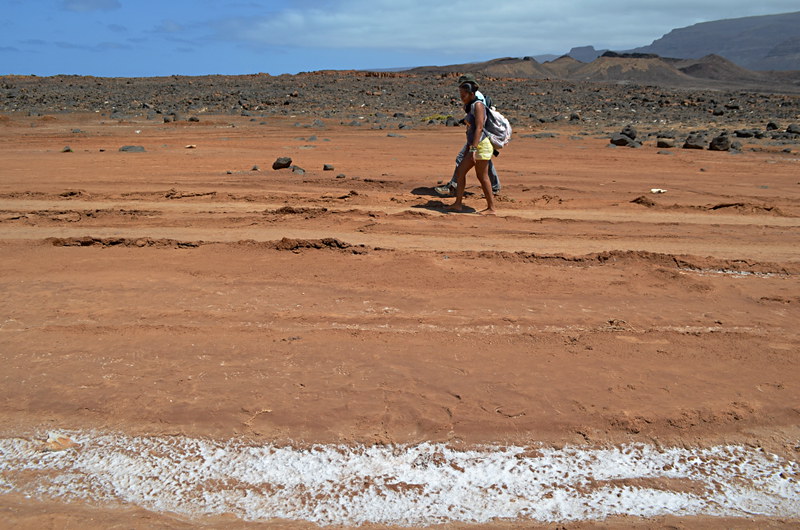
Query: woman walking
x=479, y=152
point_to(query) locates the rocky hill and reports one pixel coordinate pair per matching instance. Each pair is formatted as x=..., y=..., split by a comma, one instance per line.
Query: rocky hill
x=770, y=42
x=709, y=72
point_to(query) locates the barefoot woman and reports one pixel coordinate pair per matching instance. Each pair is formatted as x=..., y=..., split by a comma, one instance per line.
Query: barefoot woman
x=480, y=150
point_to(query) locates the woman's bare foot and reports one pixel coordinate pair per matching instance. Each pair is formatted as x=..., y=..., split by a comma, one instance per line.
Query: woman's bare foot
x=455, y=207
x=488, y=211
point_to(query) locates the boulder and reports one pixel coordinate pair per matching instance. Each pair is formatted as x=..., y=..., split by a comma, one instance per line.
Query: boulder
x=665, y=143
x=793, y=128
x=720, y=143
x=772, y=126
x=623, y=140
x=695, y=141
x=630, y=132
x=131, y=149
x=282, y=163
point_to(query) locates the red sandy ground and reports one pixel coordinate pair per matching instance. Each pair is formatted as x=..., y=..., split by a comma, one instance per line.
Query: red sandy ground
x=575, y=316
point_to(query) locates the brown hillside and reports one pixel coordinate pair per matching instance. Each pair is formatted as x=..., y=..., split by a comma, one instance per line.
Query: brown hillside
x=513, y=67
x=526, y=67
x=563, y=67
x=640, y=70
x=716, y=67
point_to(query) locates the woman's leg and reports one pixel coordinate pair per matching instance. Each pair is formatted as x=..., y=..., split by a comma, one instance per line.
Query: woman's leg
x=482, y=171
x=461, y=181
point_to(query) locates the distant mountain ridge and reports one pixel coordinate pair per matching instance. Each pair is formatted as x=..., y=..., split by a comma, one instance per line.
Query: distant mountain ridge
x=711, y=71
x=768, y=42
x=760, y=53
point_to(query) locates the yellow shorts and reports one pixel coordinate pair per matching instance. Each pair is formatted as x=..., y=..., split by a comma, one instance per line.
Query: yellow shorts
x=485, y=150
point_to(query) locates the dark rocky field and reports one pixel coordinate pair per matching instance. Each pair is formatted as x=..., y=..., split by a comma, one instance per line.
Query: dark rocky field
x=392, y=100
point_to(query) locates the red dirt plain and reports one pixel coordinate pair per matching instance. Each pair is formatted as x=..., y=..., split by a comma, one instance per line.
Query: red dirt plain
x=180, y=291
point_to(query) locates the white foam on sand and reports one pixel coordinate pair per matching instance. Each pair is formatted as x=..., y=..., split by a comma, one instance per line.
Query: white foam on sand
x=402, y=485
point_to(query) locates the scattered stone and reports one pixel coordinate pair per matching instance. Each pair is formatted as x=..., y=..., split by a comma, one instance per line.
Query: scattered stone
x=720, y=143
x=341, y=176
x=194, y=119
x=395, y=135
x=451, y=122
x=297, y=170
x=327, y=167
x=132, y=149
x=630, y=132
x=665, y=143
x=644, y=200
x=772, y=126
x=67, y=149
x=793, y=128
x=623, y=140
x=255, y=168
x=695, y=141
x=282, y=163
x=662, y=152
x=540, y=135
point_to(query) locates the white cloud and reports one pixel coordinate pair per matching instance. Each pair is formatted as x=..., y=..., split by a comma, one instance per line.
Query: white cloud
x=90, y=5
x=477, y=27
x=169, y=26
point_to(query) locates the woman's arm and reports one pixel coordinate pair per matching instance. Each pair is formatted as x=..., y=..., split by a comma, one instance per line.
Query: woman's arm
x=480, y=119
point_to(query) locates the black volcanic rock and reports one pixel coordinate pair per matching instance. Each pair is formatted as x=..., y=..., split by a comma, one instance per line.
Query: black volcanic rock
x=282, y=163
x=623, y=55
x=720, y=143
x=630, y=132
x=624, y=140
x=695, y=141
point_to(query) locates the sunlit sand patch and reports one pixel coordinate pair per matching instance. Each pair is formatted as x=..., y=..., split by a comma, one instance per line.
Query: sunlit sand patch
x=402, y=485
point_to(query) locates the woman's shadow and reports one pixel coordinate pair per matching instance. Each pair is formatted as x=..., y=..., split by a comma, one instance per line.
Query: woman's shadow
x=437, y=204
x=442, y=207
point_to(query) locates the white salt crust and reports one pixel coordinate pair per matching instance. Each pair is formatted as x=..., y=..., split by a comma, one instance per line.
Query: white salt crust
x=402, y=485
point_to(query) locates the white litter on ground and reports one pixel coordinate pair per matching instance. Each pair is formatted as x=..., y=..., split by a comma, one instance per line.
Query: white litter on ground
x=402, y=485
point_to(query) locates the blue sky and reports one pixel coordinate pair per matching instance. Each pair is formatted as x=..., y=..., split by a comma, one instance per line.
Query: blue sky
x=130, y=38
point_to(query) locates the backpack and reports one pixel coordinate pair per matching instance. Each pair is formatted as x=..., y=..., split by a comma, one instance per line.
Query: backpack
x=496, y=127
